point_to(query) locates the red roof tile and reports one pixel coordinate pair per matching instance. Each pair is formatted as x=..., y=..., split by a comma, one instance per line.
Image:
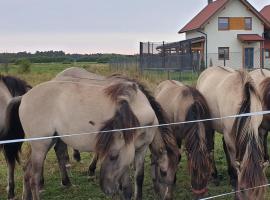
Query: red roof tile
x=249, y=37
x=200, y=19
x=266, y=12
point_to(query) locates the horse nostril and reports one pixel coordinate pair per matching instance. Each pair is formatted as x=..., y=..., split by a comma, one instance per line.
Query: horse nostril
x=163, y=173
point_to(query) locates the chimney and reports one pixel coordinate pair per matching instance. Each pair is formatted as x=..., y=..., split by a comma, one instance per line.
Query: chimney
x=210, y=1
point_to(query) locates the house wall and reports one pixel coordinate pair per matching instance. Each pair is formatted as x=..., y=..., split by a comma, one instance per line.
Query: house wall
x=228, y=38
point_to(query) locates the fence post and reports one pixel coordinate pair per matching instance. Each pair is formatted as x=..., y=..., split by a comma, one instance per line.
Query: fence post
x=141, y=58
x=224, y=63
x=262, y=57
x=163, y=57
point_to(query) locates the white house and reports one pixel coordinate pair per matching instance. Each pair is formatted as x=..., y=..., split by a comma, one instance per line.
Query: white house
x=233, y=32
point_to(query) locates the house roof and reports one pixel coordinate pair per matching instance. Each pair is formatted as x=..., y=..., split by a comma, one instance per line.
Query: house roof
x=266, y=12
x=202, y=17
x=211, y=9
x=249, y=37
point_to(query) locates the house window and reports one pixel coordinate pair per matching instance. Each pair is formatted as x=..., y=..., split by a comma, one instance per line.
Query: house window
x=223, y=53
x=267, y=53
x=223, y=23
x=248, y=23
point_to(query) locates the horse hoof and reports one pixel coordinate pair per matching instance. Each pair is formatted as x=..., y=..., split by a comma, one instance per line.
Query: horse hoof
x=66, y=185
x=41, y=190
x=91, y=173
x=68, y=165
x=91, y=178
x=13, y=198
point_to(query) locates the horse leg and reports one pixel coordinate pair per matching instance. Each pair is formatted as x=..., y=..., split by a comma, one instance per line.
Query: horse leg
x=76, y=155
x=60, y=149
x=93, y=166
x=263, y=134
x=211, y=148
x=11, y=184
x=231, y=170
x=139, y=171
x=38, y=156
x=126, y=186
x=27, y=195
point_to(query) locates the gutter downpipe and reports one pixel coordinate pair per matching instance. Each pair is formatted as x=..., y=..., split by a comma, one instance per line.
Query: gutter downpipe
x=206, y=50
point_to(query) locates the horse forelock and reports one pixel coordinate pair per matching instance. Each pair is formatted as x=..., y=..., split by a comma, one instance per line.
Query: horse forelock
x=249, y=147
x=196, y=135
x=16, y=86
x=123, y=118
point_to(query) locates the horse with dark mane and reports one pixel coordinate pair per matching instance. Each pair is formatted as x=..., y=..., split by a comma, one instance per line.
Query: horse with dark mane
x=231, y=92
x=10, y=87
x=165, y=179
x=83, y=106
x=185, y=103
x=261, y=79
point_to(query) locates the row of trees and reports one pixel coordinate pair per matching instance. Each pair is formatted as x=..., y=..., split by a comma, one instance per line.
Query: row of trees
x=59, y=56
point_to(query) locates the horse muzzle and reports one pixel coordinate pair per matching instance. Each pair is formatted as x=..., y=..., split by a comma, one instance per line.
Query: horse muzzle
x=199, y=193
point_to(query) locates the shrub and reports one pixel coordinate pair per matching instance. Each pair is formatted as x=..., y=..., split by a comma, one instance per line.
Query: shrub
x=24, y=66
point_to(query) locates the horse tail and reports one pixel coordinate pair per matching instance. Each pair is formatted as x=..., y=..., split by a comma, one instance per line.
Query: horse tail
x=249, y=151
x=13, y=130
x=121, y=94
x=196, y=138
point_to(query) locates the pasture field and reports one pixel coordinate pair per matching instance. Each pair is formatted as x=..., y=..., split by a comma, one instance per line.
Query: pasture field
x=85, y=188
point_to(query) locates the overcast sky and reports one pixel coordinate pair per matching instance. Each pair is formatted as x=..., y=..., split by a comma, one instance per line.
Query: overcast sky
x=94, y=26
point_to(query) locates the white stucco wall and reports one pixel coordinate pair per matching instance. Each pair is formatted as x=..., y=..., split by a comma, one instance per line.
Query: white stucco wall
x=228, y=38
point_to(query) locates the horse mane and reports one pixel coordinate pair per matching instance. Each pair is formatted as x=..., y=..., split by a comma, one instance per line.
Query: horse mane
x=16, y=86
x=166, y=131
x=120, y=93
x=249, y=147
x=196, y=134
x=265, y=87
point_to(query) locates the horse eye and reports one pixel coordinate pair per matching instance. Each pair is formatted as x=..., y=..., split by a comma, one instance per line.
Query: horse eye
x=163, y=173
x=113, y=157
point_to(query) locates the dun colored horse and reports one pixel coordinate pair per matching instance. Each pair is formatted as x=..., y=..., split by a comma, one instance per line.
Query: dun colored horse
x=185, y=103
x=64, y=107
x=230, y=92
x=166, y=180
x=261, y=78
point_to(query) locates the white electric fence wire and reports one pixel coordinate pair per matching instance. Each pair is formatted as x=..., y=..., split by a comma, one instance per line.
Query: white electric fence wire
x=234, y=192
x=134, y=128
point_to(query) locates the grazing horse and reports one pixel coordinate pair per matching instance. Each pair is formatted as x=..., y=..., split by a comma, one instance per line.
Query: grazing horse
x=166, y=180
x=9, y=87
x=230, y=92
x=261, y=77
x=63, y=107
x=185, y=103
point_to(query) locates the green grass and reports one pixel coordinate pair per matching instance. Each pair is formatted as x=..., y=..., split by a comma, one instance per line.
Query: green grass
x=89, y=189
